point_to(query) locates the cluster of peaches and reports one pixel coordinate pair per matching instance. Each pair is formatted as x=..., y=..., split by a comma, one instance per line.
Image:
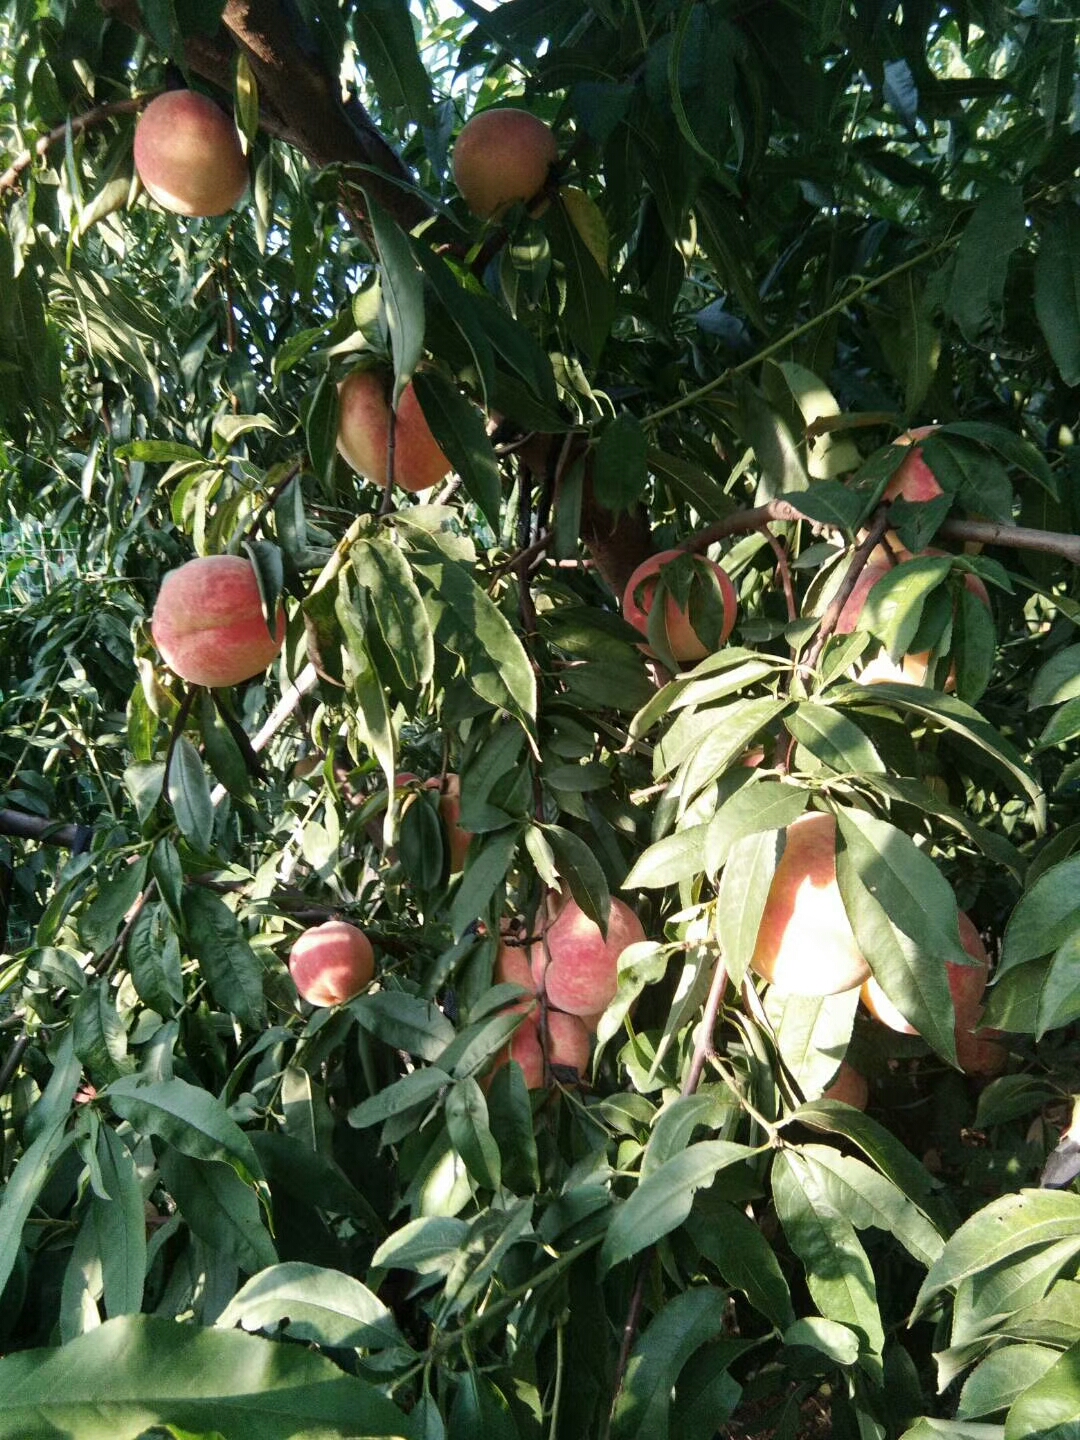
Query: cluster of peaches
x=210, y=627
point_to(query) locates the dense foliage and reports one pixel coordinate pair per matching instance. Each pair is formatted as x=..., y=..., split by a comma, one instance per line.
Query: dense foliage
x=779, y=234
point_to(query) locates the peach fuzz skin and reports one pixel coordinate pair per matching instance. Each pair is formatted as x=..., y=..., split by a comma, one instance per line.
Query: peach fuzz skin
x=569, y=1046
x=331, y=963
x=364, y=433
x=682, y=637
x=208, y=622
x=578, y=969
x=502, y=156
x=805, y=943
x=850, y=1086
x=188, y=155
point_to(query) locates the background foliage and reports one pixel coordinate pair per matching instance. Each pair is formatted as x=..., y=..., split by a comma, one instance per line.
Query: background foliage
x=784, y=232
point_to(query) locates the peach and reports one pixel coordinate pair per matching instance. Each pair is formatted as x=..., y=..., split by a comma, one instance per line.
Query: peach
x=512, y=966
x=209, y=625
x=188, y=154
x=805, y=943
x=981, y=1054
x=575, y=966
x=683, y=639
x=914, y=480
x=910, y=669
x=501, y=156
x=849, y=1085
x=457, y=839
x=331, y=963
x=364, y=433
x=568, y=1045
x=966, y=985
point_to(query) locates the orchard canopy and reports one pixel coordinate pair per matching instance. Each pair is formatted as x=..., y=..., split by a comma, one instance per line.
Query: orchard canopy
x=647, y=1081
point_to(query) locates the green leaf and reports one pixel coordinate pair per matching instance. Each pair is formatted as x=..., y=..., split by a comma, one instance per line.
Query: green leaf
x=619, y=472
x=187, y=1117
x=219, y=1208
x=1046, y=916
x=472, y=626
x=153, y=957
x=590, y=298
x=419, y=1087
x=459, y=306
x=460, y=432
x=1057, y=680
x=669, y=861
x=1057, y=289
x=977, y=288
x=21, y=1193
x=832, y=503
x=399, y=610
x=894, y=605
x=838, y=1272
x=1051, y=1406
x=232, y=969
x=682, y=1326
x=868, y=1198
x=480, y=1408
x=993, y=749
x=119, y=1220
x=98, y=1033
x=139, y=1371
x=1003, y=1229
x=189, y=795
x=904, y=915
x=584, y=877
x=429, y=1245
x=757, y=806
x=1002, y=1378
x=387, y=44
x=744, y=889
x=663, y=1201
x=320, y=1306
x=486, y=869
x=812, y=1033
x=402, y=292
x=405, y=1022
x=840, y=1344
x=834, y=739
x=745, y=1259
x=470, y=1133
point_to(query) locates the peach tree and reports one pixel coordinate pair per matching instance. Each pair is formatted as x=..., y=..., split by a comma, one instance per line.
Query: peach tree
x=783, y=296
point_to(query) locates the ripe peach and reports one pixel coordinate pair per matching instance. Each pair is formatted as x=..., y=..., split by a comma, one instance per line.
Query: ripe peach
x=501, y=156
x=849, y=1085
x=188, y=155
x=331, y=963
x=579, y=969
x=910, y=669
x=364, y=433
x=914, y=480
x=682, y=637
x=805, y=943
x=457, y=839
x=981, y=1054
x=966, y=985
x=568, y=1047
x=208, y=622
x=512, y=966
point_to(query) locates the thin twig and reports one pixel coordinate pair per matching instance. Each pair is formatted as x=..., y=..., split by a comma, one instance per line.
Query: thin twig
x=831, y=613
x=77, y=125
x=785, y=572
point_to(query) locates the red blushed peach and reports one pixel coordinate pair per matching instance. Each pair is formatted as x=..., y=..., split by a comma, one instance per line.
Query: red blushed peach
x=512, y=966
x=981, y=1054
x=364, y=433
x=849, y=1085
x=966, y=985
x=208, y=622
x=331, y=963
x=914, y=480
x=577, y=968
x=457, y=839
x=683, y=639
x=805, y=943
x=502, y=156
x=188, y=154
x=910, y=669
x=568, y=1045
